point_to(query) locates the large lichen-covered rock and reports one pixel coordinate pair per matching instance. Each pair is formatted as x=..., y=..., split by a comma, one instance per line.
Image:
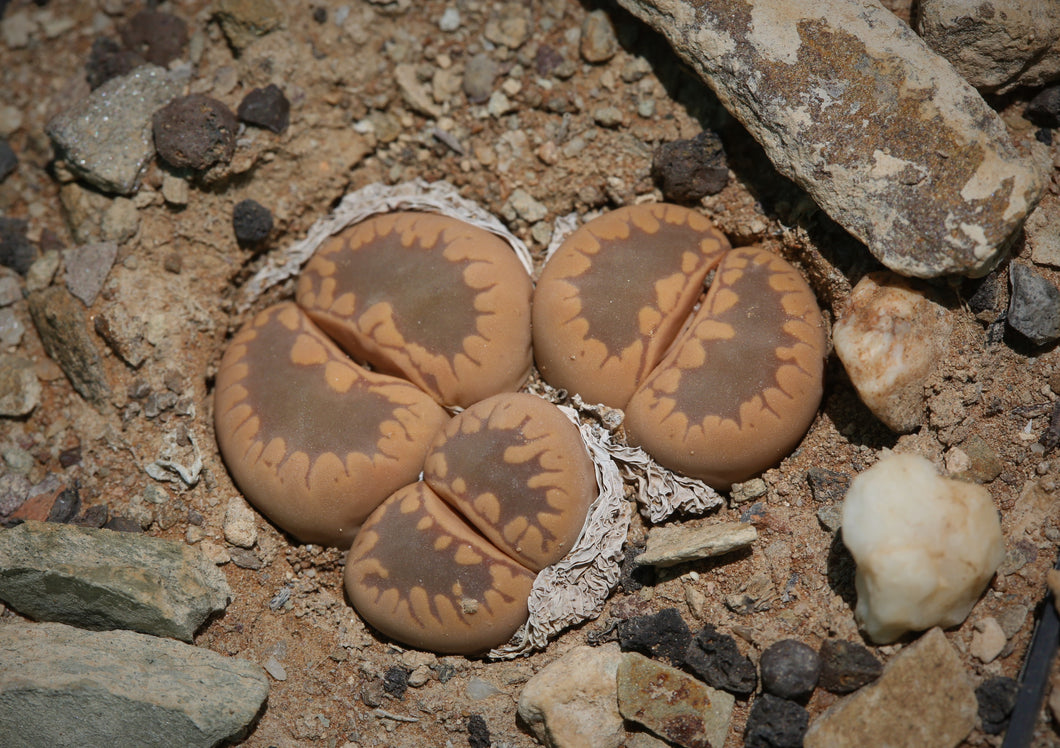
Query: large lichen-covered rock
x=884, y=134
x=101, y=579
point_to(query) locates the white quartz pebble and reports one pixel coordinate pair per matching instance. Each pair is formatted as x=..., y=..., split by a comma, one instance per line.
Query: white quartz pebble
x=925, y=546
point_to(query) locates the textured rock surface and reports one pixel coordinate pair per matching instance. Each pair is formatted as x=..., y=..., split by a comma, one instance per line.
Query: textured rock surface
x=997, y=45
x=61, y=686
x=100, y=579
x=888, y=337
x=832, y=90
x=1034, y=307
x=924, y=699
x=573, y=701
x=106, y=137
x=670, y=545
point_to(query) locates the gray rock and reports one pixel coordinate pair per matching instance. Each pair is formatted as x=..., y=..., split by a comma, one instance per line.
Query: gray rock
x=479, y=74
x=60, y=322
x=61, y=686
x=669, y=545
x=671, y=704
x=19, y=386
x=1034, y=307
x=573, y=701
x=99, y=579
x=87, y=268
x=10, y=290
x=11, y=328
x=924, y=699
x=105, y=138
x=1042, y=231
x=789, y=669
x=997, y=45
x=832, y=91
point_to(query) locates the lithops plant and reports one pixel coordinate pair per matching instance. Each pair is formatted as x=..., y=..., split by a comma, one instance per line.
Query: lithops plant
x=447, y=564
x=721, y=395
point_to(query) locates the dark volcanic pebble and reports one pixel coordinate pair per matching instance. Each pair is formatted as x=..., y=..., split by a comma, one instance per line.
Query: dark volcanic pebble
x=195, y=132
x=847, y=666
x=16, y=251
x=320, y=14
x=775, y=723
x=1034, y=309
x=714, y=657
x=1044, y=109
x=996, y=697
x=986, y=295
x=8, y=160
x=107, y=60
x=827, y=485
x=158, y=37
x=663, y=634
x=66, y=506
x=122, y=524
x=396, y=681
x=478, y=735
x=94, y=516
x=251, y=222
x=790, y=669
x=686, y=170
x=266, y=107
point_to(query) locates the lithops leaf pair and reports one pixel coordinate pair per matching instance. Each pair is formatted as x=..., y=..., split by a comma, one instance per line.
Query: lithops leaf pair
x=720, y=393
x=447, y=563
x=326, y=406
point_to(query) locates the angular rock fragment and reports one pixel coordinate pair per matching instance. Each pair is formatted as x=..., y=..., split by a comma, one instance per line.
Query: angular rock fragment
x=1034, y=307
x=120, y=688
x=924, y=699
x=87, y=267
x=19, y=387
x=99, y=579
x=670, y=545
x=996, y=46
x=833, y=91
x=106, y=137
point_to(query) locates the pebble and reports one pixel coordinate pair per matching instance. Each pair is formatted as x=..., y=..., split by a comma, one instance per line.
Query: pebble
x=195, y=131
x=10, y=289
x=846, y=666
x=888, y=338
x=95, y=579
x=87, y=267
x=479, y=75
x=275, y=668
x=159, y=38
x=510, y=26
x=790, y=669
x=688, y=170
x=664, y=635
x=251, y=222
x=930, y=208
x=266, y=107
x=119, y=687
x=240, y=523
x=450, y=20
x=988, y=641
x=42, y=271
x=245, y=21
x=521, y=204
x=8, y=160
x=20, y=389
x=175, y=190
x=1044, y=108
x=775, y=723
x=924, y=699
x=478, y=733
x=107, y=59
x=11, y=329
x=106, y=138
x=123, y=333
x=827, y=485
x=750, y=490
x=16, y=251
x=598, y=40
x=61, y=325
x=1034, y=307
x=996, y=47
x=715, y=658
x=121, y=220
x=499, y=104
x=996, y=697
x=669, y=545
x=671, y=704
x=984, y=465
x=608, y=116
x=245, y=559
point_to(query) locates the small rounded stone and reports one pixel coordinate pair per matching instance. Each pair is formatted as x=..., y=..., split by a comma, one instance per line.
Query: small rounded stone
x=420, y=574
x=195, y=131
x=252, y=222
x=790, y=669
x=516, y=468
x=266, y=107
x=313, y=440
x=428, y=298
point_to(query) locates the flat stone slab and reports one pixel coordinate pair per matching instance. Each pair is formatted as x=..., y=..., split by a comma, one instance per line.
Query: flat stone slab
x=101, y=579
x=853, y=106
x=670, y=545
x=924, y=699
x=62, y=686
